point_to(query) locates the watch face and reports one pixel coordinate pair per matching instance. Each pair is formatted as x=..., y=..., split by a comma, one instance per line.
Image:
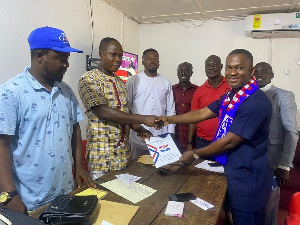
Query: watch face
x=3, y=197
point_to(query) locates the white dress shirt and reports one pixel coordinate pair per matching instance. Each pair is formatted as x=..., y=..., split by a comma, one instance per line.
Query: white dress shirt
x=151, y=96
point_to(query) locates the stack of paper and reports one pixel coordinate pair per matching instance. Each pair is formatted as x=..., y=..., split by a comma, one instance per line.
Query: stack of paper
x=146, y=159
x=175, y=209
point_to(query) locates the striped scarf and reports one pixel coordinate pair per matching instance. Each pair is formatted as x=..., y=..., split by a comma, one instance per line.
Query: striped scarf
x=227, y=112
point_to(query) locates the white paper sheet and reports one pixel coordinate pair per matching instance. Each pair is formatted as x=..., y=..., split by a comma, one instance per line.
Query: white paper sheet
x=205, y=165
x=127, y=178
x=163, y=150
x=133, y=192
x=105, y=223
x=202, y=204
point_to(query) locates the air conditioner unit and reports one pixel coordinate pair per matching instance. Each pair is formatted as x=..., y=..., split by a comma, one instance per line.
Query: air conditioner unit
x=273, y=25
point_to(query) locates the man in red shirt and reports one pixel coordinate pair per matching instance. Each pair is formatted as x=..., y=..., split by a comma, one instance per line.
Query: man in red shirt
x=183, y=95
x=213, y=88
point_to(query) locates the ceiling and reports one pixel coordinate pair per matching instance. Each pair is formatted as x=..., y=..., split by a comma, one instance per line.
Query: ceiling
x=163, y=11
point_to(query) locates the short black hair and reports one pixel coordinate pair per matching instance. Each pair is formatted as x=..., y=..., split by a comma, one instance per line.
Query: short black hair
x=33, y=52
x=245, y=52
x=149, y=50
x=214, y=57
x=187, y=64
x=105, y=41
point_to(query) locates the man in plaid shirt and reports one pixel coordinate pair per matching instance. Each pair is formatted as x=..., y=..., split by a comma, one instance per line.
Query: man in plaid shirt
x=104, y=96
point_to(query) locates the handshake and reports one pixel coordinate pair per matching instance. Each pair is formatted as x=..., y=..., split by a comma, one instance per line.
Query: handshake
x=156, y=121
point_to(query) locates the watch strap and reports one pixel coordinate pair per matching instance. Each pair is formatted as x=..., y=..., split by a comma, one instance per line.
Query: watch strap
x=196, y=156
x=13, y=194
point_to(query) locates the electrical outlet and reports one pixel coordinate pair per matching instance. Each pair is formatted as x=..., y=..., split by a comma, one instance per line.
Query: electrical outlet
x=286, y=71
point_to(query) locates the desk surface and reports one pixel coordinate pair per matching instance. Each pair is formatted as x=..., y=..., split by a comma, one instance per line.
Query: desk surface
x=206, y=185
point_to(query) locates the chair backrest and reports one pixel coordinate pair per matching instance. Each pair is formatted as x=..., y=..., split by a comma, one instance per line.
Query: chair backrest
x=294, y=207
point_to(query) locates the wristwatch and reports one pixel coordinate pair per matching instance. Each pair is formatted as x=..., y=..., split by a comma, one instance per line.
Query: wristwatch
x=196, y=156
x=6, y=197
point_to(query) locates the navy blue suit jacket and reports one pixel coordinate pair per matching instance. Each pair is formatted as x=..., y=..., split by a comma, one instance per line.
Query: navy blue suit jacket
x=248, y=172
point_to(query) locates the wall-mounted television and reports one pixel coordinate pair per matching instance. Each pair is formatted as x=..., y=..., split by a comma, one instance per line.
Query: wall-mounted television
x=129, y=66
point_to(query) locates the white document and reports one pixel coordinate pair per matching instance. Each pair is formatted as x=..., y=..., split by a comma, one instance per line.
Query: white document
x=105, y=223
x=202, y=204
x=163, y=150
x=127, y=178
x=205, y=165
x=174, y=209
x=133, y=192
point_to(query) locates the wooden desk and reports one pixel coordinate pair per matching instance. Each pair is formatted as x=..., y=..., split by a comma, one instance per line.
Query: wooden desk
x=208, y=186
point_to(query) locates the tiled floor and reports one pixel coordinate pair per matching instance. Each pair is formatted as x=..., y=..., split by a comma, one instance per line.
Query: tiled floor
x=282, y=214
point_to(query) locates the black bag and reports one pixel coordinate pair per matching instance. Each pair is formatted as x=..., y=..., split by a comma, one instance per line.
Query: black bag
x=65, y=209
x=8, y=216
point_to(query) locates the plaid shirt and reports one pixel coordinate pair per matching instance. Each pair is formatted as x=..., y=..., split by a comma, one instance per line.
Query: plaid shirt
x=107, y=142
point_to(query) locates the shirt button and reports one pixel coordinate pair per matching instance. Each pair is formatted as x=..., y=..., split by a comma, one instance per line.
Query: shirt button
x=244, y=170
x=182, y=104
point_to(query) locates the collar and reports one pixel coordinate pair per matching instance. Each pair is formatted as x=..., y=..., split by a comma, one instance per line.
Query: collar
x=267, y=87
x=191, y=86
x=150, y=77
x=222, y=81
x=37, y=85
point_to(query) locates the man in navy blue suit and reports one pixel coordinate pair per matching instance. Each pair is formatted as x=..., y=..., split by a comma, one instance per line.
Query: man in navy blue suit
x=241, y=140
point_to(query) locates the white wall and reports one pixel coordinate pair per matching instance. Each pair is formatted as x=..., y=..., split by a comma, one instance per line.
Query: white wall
x=19, y=18
x=177, y=43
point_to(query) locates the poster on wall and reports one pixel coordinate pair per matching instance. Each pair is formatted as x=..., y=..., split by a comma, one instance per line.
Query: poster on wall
x=129, y=66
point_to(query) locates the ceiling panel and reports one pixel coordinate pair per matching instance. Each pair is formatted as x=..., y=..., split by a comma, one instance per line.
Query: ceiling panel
x=160, y=11
x=164, y=19
x=146, y=8
x=246, y=11
x=210, y=5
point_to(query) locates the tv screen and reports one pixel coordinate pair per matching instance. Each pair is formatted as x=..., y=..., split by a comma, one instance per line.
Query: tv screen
x=129, y=66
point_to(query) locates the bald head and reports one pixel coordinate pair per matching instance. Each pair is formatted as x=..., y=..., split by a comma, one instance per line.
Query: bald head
x=265, y=65
x=213, y=67
x=263, y=73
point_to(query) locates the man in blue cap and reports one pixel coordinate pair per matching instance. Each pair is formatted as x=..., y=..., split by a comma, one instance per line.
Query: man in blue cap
x=39, y=127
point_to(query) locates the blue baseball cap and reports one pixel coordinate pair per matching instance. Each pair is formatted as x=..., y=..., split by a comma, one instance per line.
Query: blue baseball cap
x=50, y=38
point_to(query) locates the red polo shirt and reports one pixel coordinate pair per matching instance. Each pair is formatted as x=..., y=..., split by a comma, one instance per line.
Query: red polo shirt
x=183, y=100
x=203, y=96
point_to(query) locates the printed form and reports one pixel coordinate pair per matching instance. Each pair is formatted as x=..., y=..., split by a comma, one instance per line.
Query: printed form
x=163, y=150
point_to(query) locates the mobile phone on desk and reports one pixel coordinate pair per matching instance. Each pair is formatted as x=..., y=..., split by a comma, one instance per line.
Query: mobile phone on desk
x=182, y=197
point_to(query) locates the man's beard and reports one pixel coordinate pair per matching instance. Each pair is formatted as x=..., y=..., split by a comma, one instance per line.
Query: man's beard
x=53, y=76
x=152, y=70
